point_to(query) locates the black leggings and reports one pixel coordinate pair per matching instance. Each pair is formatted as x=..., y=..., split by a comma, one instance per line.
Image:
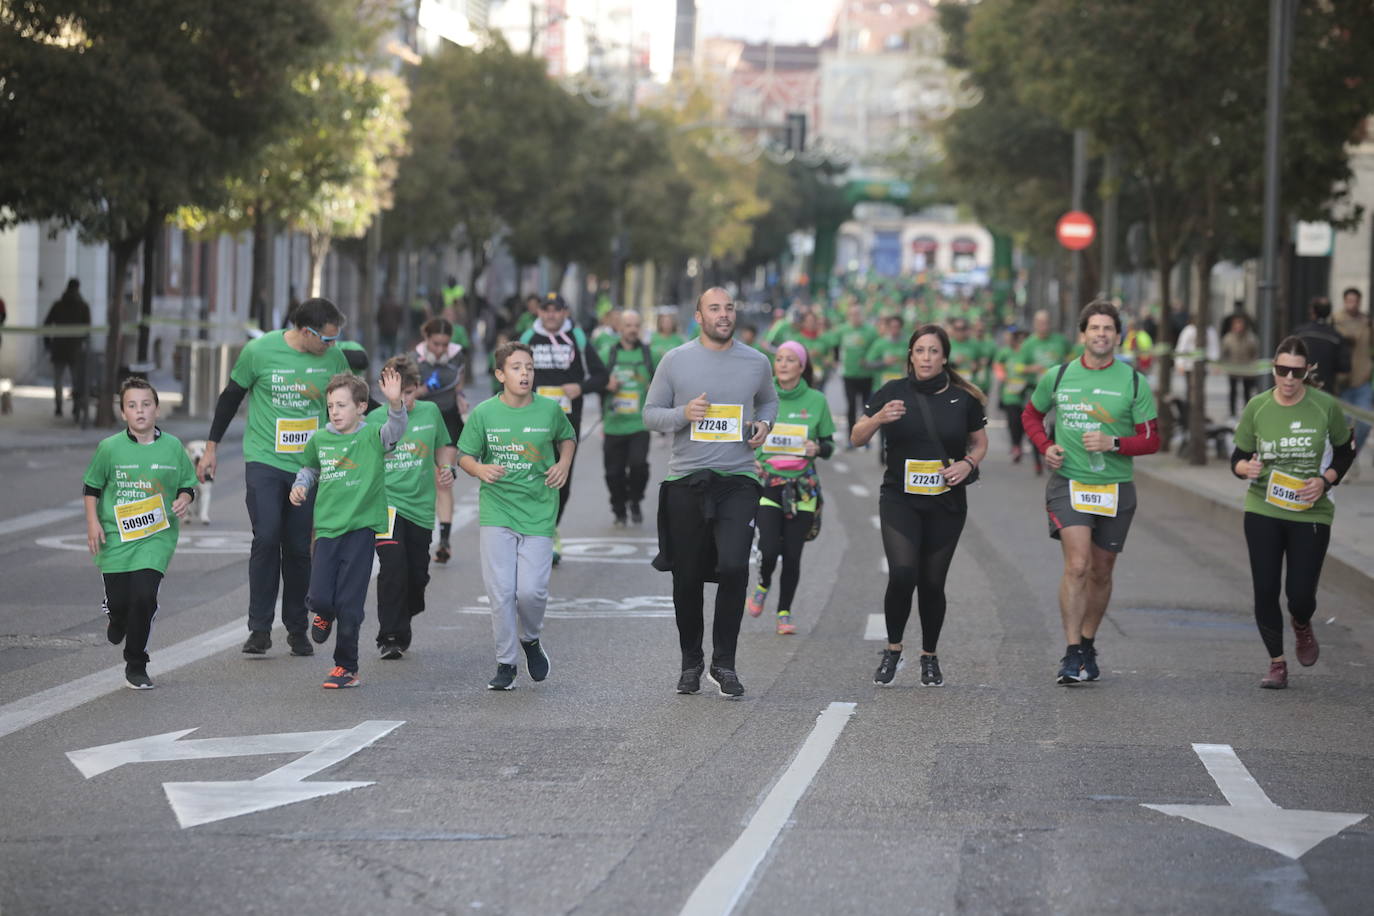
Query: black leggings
x=1304, y=544
x=403, y=575
x=732, y=502
x=856, y=392
x=919, y=544
x=131, y=602
x=785, y=537
x=1014, y=427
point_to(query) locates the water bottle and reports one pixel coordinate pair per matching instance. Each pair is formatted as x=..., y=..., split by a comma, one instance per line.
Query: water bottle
x=1097, y=461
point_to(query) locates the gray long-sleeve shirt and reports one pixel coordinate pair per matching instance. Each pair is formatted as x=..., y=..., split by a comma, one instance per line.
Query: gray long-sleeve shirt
x=739, y=375
x=392, y=431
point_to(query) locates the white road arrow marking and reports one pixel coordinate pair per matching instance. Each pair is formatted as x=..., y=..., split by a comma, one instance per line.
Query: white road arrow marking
x=93, y=761
x=1250, y=814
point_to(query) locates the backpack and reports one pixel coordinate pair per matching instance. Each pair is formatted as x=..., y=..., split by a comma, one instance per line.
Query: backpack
x=643, y=349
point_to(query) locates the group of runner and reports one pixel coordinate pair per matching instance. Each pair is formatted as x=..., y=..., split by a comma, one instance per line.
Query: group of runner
x=747, y=431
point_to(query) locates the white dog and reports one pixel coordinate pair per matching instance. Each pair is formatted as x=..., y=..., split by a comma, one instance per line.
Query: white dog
x=195, y=450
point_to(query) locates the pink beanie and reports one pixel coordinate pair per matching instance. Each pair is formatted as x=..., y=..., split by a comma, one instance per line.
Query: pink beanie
x=796, y=349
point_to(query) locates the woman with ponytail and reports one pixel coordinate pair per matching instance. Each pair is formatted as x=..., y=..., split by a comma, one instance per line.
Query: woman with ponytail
x=934, y=421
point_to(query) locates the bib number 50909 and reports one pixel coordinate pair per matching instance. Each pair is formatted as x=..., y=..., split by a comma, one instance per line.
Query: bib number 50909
x=141, y=518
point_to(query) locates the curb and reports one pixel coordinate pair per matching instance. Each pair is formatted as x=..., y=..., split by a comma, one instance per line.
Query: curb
x=1342, y=568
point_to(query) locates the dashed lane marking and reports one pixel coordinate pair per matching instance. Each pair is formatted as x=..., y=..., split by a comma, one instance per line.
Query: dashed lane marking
x=875, y=627
x=859, y=490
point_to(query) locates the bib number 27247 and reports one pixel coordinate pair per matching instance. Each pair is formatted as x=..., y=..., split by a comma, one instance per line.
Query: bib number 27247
x=722, y=423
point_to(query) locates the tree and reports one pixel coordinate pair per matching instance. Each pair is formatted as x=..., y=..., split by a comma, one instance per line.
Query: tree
x=120, y=112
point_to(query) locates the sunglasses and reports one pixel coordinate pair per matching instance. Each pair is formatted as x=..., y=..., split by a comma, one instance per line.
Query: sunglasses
x=328, y=340
x=1290, y=371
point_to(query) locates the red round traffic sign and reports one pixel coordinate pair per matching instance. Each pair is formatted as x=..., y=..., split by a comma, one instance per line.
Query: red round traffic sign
x=1076, y=230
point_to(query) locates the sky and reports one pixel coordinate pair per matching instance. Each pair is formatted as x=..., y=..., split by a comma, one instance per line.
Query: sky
x=785, y=21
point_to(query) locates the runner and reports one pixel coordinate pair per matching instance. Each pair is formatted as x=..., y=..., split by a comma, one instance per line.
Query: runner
x=922, y=504
x=565, y=369
x=855, y=339
x=441, y=364
x=1280, y=441
x=1104, y=415
x=887, y=357
x=629, y=366
x=131, y=523
x=716, y=396
x=283, y=374
x=1014, y=380
x=509, y=444
x=422, y=458
x=791, y=489
x=666, y=334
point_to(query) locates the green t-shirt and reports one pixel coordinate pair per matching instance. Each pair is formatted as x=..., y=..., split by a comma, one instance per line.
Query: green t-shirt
x=138, y=484
x=622, y=411
x=662, y=343
x=802, y=406
x=1042, y=354
x=410, y=466
x=964, y=356
x=888, y=360
x=1017, y=378
x=1089, y=399
x=285, y=398
x=854, y=344
x=524, y=323
x=524, y=441
x=1291, y=441
x=352, y=494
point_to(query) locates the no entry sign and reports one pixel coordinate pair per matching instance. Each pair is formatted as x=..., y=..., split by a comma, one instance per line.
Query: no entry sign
x=1076, y=230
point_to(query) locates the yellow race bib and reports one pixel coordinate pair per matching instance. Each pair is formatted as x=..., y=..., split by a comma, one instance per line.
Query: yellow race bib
x=722, y=423
x=390, y=532
x=890, y=376
x=292, y=434
x=555, y=393
x=923, y=478
x=1090, y=499
x=141, y=518
x=1282, y=491
x=626, y=402
x=786, y=439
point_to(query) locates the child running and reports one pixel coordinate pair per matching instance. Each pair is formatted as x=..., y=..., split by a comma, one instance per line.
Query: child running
x=131, y=523
x=509, y=444
x=346, y=458
x=403, y=549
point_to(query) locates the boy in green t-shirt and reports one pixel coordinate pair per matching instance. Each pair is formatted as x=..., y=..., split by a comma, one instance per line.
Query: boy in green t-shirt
x=630, y=366
x=346, y=458
x=132, y=520
x=508, y=444
x=403, y=549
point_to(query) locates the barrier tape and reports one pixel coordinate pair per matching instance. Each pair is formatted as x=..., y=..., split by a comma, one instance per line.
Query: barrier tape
x=84, y=330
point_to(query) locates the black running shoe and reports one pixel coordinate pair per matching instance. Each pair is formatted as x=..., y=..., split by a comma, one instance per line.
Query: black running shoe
x=636, y=514
x=442, y=553
x=299, y=644
x=258, y=643
x=891, y=663
x=1071, y=667
x=690, y=680
x=536, y=660
x=390, y=650
x=320, y=628
x=930, y=672
x=1090, y=670
x=726, y=681
x=136, y=678
x=504, y=680
x=619, y=522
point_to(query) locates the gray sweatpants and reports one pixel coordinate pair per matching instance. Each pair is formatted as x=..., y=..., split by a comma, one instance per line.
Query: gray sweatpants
x=515, y=570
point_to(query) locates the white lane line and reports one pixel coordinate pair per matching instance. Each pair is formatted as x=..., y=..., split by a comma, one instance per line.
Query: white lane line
x=882, y=564
x=840, y=466
x=42, y=517
x=877, y=522
x=65, y=697
x=723, y=886
x=858, y=489
x=876, y=627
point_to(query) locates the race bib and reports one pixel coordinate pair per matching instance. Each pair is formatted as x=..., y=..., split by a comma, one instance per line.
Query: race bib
x=722, y=423
x=786, y=439
x=555, y=393
x=1282, y=491
x=293, y=434
x=390, y=532
x=1014, y=386
x=1093, y=499
x=141, y=518
x=625, y=402
x=923, y=478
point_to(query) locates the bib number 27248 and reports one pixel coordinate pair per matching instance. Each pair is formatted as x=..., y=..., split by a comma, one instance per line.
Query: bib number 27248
x=722, y=423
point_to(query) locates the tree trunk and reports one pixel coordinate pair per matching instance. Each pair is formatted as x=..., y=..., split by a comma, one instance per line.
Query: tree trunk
x=1165, y=265
x=150, y=234
x=123, y=252
x=258, y=306
x=1197, y=388
x=367, y=275
x=318, y=246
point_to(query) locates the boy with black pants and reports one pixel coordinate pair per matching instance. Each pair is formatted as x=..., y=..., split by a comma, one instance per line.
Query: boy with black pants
x=346, y=457
x=131, y=525
x=403, y=549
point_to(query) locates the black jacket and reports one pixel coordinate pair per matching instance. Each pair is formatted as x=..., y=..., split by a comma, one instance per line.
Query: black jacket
x=1328, y=353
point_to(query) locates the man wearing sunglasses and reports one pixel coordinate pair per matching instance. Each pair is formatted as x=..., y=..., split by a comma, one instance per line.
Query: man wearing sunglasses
x=284, y=375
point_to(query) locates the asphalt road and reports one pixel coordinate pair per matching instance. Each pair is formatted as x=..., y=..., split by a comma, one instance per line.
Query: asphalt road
x=602, y=791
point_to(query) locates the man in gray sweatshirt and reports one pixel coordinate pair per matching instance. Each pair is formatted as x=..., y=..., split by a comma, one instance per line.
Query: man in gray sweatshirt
x=716, y=397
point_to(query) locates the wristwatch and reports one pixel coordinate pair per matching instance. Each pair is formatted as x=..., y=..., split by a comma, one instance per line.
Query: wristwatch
x=1116, y=443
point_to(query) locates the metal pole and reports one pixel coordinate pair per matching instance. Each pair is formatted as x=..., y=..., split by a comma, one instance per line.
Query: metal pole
x=1269, y=271
x=1109, y=213
x=1080, y=178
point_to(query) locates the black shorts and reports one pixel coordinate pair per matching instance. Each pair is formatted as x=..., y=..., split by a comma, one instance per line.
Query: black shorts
x=1109, y=532
x=453, y=420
